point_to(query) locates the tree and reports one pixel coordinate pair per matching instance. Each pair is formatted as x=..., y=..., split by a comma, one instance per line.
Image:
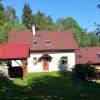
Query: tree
x=39, y=20
x=97, y=25
x=71, y=24
x=7, y=14
x=42, y=22
x=94, y=40
x=2, y=14
x=11, y=13
x=18, y=27
x=82, y=37
x=1, y=7
x=49, y=23
x=66, y=23
x=8, y=22
x=6, y=28
x=27, y=16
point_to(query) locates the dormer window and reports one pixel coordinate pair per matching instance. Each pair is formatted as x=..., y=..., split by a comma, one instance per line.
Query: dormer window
x=48, y=42
x=79, y=55
x=35, y=42
x=98, y=55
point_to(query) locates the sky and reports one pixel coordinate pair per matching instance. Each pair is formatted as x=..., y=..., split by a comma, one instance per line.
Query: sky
x=84, y=12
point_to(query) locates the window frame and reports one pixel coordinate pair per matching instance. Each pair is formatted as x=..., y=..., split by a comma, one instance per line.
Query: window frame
x=35, y=61
x=48, y=42
x=63, y=58
x=80, y=55
x=98, y=55
x=35, y=42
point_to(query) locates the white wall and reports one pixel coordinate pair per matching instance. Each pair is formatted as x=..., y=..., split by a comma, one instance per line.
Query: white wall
x=31, y=66
x=54, y=64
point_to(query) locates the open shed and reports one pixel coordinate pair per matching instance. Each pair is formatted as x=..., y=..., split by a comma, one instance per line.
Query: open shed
x=9, y=52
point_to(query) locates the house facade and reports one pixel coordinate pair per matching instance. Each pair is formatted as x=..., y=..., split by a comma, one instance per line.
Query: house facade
x=49, y=50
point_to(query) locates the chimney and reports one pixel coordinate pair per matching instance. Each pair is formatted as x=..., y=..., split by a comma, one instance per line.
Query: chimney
x=33, y=29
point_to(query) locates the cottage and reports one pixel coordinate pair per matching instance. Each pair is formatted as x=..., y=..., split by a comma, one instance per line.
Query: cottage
x=40, y=51
x=49, y=50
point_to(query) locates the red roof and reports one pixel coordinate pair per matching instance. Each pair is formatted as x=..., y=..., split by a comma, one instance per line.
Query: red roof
x=14, y=51
x=60, y=40
x=22, y=37
x=84, y=55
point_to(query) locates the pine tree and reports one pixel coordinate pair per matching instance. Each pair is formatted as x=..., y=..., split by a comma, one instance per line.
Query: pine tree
x=27, y=16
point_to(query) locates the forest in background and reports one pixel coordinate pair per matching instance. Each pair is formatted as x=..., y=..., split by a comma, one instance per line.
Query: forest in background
x=9, y=21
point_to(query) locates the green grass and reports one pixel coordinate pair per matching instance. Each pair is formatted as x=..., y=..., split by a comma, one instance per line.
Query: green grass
x=48, y=86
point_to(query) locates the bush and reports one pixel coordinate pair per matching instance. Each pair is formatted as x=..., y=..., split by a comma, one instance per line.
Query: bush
x=3, y=77
x=84, y=71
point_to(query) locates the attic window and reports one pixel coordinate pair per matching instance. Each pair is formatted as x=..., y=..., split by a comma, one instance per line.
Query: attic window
x=48, y=42
x=98, y=55
x=35, y=42
x=79, y=55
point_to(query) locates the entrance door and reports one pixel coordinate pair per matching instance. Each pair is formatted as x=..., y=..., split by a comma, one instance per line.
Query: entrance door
x=45, y=65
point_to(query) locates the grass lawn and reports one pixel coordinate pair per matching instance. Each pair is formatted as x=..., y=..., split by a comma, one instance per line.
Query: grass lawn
x=48, y=86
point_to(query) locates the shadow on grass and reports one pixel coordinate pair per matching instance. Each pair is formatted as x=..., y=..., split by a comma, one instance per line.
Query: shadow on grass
x=49, y=86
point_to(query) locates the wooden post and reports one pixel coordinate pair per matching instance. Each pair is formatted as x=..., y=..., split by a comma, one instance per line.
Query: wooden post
x=24, y=64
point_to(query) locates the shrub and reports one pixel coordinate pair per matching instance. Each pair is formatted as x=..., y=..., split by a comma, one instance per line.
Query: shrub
x=84, y=71
x=3, y=77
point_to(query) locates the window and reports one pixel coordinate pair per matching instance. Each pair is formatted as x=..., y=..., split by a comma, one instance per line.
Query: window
x=34, y=60
x=35, y=42
x=79, y=55
x=98, y=55
x=64, y=60
x=47, y=42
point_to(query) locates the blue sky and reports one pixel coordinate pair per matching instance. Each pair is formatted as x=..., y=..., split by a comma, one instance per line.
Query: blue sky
x=83, y=11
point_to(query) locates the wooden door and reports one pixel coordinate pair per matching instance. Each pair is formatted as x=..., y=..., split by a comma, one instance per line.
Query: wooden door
x=45, y=65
